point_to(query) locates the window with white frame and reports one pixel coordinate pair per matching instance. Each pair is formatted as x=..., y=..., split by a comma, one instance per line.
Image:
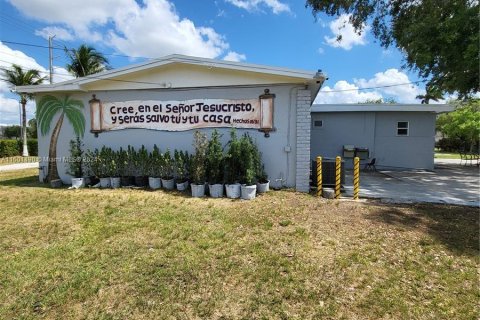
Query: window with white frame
x=402, y=128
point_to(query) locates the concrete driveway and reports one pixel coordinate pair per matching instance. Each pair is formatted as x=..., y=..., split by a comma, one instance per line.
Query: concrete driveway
x=450, y=183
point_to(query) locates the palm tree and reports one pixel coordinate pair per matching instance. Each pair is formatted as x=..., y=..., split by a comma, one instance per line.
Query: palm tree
x=16, y=76
x=48, y=107
x=85, y=61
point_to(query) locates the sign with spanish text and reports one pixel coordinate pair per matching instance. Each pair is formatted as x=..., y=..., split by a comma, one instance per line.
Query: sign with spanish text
x=180, y=115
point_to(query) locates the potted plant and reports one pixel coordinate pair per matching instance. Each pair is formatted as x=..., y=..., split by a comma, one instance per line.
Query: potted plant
x=114, y=169
x=155, y=169
x=168, y=181
x=140, y=162
x=263, y=184
x=76, y=163
x=124, y=167
x=103, y=173
x=248, y=167
x=232, y=166
x=181, y=169
x=198, y=164
x=93, y=160
x=215, y=165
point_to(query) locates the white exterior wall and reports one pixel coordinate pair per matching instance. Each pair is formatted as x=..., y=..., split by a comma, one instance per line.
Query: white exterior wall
x=279, y=151
x=377, y=131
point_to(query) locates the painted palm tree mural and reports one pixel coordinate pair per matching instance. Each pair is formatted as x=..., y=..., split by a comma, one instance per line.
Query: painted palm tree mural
x=48, y=107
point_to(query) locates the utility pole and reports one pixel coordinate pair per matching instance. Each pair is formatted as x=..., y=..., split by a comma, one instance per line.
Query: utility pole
x=50, y=55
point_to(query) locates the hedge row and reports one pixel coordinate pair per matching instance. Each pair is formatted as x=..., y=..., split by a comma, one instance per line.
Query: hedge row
x=11, y=148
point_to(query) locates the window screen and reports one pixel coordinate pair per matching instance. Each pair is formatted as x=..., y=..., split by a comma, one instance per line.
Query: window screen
x=318, y=123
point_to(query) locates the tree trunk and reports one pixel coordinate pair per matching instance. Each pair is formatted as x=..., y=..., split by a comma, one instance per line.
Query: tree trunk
x=24, y=127
x=52, y=151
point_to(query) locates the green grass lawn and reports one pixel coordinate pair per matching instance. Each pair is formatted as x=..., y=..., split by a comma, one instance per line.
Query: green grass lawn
x=135, y=254
x=446, y=155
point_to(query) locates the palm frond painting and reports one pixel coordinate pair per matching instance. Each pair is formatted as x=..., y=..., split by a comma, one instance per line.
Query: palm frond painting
x=48, y=107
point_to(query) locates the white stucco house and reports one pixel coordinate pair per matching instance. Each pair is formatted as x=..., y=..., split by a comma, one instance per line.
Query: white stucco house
x=163, y=101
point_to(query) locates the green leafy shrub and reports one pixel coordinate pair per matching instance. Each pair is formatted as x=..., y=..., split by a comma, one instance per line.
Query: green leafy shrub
x=167, y=166
x=155, y=163
x=75, y=162
x=249, y=160
x=200, y=143
x=214, y=159
x=182, y=162
x=9, y=148
x=232, y=159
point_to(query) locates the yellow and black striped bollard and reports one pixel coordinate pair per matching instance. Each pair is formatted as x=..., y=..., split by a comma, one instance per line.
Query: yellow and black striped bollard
x=356, y=177
x=319, y=176
x=338, y=169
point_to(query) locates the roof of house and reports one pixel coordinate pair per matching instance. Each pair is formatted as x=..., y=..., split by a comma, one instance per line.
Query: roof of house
x=436, y=108
x=180, y=71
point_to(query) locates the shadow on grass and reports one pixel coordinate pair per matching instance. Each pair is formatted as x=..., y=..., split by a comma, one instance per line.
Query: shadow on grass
x=455, y=227
x=23, y=181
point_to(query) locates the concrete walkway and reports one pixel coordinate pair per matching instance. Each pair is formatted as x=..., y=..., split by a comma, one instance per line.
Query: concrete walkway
x=449, y=183
x=19, y=166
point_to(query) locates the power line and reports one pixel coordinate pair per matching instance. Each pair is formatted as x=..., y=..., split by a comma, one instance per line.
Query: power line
x=155, y=83
x=376, y=87
x=69, y=49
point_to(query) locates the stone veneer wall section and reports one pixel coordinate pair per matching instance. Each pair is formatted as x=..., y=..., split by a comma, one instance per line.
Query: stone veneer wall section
x=302, y=168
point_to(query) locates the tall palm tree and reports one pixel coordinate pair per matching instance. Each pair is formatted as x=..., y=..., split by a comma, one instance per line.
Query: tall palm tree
x=85, y=61
x=48, y=107
x=16, y=76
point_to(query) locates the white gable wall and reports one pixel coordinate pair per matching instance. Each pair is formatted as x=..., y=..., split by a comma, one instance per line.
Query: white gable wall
x=280, y=163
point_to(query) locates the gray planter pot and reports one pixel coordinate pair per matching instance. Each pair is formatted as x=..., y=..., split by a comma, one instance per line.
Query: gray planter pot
x=78, y=183
x=263, y=187
x=154, y=183
x=249, y=192
x=182, y=186
x=115, y=182
x=105, y=182
x=233, y=190
x=168, y=184
x=198, y=190
x=216, y=190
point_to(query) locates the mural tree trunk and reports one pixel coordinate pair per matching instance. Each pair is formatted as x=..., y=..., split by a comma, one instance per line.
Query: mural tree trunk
x=52, y=150
x=48, y=107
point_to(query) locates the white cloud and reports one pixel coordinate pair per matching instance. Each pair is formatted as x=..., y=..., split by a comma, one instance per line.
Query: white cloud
x=10, y=56
x=345, y=92
x=152, y=28
x=276, y=6
x=9, y=112
x=58, y=32
x=405, y=93
x=234, y=56
x=321, y=50
x=349, y=38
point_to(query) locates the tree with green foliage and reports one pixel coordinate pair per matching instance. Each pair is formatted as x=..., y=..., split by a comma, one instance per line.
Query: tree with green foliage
x=48, y=107
x=379, y=101
x=32, y=128
x=463, y=124
x=85, y=61
x=11, y=132
x=16, y=77
x=440, y=39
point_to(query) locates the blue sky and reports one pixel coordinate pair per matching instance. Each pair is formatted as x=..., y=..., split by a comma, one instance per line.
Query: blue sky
x=272, y=32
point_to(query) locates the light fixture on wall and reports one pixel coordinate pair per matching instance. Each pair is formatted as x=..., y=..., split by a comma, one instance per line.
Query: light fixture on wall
x=95, y=115
x=266, y=112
